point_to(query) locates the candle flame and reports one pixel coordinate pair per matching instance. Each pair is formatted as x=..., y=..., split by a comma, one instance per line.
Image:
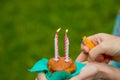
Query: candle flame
x=66, y=31
x=58, y=30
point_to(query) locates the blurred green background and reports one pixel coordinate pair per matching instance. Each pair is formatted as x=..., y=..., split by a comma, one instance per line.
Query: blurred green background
x=27, y=29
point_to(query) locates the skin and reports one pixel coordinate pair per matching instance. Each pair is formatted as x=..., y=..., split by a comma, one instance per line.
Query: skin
x=95, y=70
x=107, y=48
x=41, y=76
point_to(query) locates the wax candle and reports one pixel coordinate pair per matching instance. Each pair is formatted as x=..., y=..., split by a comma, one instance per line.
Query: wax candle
x=56, y=45
x=66, y=44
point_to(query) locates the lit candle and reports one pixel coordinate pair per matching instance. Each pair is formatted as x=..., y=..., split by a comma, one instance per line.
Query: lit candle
x=56, y=45
x=66, y=44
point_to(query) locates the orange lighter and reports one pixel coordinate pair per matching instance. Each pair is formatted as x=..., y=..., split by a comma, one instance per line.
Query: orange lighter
x=88, y=43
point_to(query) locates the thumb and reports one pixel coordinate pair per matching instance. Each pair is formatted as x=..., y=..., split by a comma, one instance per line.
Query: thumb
x=41, y=76
x=87, y=72
x=96, y=51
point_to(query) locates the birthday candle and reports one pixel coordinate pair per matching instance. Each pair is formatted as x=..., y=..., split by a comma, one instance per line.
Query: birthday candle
x=56, y=45
x=66, y=44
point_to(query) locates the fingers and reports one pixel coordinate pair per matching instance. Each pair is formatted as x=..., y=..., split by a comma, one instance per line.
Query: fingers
x=41, y=76
x=82, y=57
x=84, y=48
x=94, y=72
x=97, y=70
x=96, y=51
x=87, y=73
x=107, y=60
x=74, y=78
x=116, y=58
x=100, y=58
x=96, y=54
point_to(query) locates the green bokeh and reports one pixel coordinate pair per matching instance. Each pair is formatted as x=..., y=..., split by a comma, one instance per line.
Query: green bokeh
x=27, y=29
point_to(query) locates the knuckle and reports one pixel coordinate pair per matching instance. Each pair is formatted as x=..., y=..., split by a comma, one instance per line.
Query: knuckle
x=101, y=34
x=103, y=47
